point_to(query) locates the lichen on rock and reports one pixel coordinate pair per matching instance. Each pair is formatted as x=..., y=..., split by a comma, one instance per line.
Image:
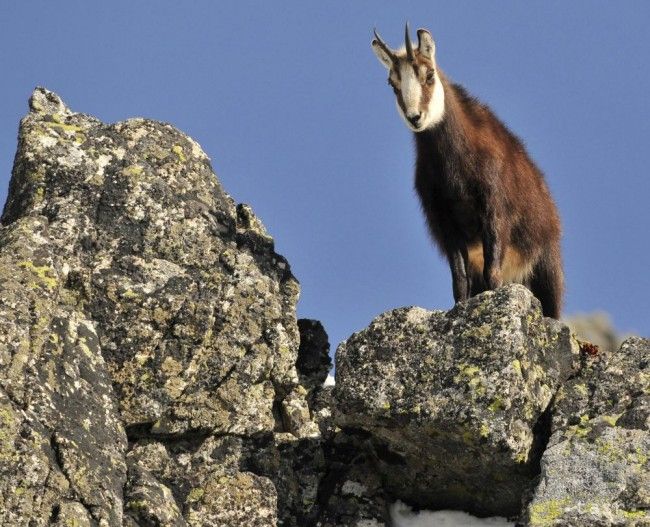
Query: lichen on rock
x=153, y=372
x=135, y=296
x=453, y=400
x=595, y=470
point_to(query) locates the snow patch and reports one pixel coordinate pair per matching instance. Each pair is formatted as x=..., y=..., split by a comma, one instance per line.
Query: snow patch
x=403, y=516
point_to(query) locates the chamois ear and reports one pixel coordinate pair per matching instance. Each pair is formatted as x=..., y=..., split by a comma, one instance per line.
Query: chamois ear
x=383, y=57
x=426, y=45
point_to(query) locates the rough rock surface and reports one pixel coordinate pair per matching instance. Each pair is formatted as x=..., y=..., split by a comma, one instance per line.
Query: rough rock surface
x=153, y=372
x=596, y=471
x=136, y=297
x=454, y=400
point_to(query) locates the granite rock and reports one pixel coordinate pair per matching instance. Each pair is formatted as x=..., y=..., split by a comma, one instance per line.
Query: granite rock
x=137, y=300
x=456, y=402
x=595, y=470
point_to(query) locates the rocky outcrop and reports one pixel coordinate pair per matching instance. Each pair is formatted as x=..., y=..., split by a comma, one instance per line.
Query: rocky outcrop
x=148, y=335
x=595, y=470
x=489, y=408
x=455, y=402
x=153, y=371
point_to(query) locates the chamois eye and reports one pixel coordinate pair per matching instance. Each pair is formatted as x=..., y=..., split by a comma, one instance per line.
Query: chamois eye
x=431, y=76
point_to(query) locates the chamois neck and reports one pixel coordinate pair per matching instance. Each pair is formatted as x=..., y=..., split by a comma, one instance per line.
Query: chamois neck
x=444, y=102
x=443, y=144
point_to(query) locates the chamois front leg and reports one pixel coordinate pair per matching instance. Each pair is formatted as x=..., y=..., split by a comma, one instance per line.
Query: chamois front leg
x=492, y=256
x=459, y=273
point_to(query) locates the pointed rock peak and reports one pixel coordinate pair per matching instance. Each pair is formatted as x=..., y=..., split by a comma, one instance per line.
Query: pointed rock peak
x=46, y=102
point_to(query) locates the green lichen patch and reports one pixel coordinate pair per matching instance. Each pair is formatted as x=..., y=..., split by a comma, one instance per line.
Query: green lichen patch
x=545, y=513
x=178, y=150
x=45, y=274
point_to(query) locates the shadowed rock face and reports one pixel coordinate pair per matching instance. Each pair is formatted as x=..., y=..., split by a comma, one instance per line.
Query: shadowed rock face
x=153, y=372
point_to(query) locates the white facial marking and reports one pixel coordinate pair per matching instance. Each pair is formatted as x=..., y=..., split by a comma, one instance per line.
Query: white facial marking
x=412, y=94
x=411, y=90
x=436, y=110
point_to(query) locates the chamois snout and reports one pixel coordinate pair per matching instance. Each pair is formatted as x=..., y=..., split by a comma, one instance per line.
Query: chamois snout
x=414, y=119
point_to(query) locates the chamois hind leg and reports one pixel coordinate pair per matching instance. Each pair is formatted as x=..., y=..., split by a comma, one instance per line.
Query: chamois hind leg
x=547, y=282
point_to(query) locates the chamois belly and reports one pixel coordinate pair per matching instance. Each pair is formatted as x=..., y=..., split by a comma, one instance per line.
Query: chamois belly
x=515, y=267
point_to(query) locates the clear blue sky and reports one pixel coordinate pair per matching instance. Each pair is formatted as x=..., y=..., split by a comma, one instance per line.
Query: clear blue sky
x=293, y=108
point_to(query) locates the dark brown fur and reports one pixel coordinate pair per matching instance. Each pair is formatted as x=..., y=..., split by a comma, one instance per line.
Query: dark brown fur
x=487, y=204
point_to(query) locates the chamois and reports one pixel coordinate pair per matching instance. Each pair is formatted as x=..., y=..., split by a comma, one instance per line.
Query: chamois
x=486, y=203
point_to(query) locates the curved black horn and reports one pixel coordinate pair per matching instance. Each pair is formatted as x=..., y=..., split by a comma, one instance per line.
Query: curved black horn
x=383, y=46
x=409, y=45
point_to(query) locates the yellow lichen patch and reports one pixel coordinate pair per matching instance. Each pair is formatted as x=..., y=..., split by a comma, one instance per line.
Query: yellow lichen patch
x=580, y=430
x=496, y=405
x=521, y=457
x=195, y=494
x=639, y=457
x=516, y=366
x=477, y=386
x=634, y=515
x=39, y=195
x=58, y=123
x=136, y=505
x=581, y=389
x=612, y=451
x=36, y=176
x=545, y=513
x=484, y=431
x=470, y=374
x=610, y=419
x=129, y=294
x=44, y=274
x=178, y=150
x=466, y=372
x=133, y=170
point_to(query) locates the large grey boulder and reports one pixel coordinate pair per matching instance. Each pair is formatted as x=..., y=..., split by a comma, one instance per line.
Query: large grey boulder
x=595, y=470
x=137, y=299
x=456, y=402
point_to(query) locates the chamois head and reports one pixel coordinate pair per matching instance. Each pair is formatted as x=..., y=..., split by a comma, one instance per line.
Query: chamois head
x=414, y=78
